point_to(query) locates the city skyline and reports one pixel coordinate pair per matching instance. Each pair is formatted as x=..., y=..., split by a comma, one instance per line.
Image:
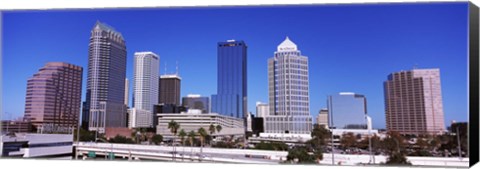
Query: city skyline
x=323, y=50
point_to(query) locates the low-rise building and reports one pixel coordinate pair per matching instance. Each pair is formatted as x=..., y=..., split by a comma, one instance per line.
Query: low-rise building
x=34, y=145
x=111, y=132
x=193, y=120
x=16, y=126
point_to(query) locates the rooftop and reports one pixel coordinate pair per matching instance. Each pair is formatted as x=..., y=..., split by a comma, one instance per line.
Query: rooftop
x=105, y=27
x=170, y=76
x=287, y=45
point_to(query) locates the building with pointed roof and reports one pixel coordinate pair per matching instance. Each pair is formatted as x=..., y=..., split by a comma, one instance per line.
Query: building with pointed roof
x=288, y=90
x=107, y=63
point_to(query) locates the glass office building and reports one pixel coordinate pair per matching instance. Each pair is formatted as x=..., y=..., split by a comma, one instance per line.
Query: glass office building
x=231, y=97
x=107, y=64
x=197, y=102
x=347, y=110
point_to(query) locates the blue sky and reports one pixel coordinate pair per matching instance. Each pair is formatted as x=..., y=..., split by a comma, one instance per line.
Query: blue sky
x=351, y=48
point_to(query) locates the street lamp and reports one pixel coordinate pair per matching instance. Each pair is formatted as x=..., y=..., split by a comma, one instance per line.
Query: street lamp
x=369, y=127
x=333, y=158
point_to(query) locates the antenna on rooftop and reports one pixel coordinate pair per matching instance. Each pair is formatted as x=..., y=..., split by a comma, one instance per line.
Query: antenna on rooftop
x=177, y=68
x=415, y=66
x=165, y=68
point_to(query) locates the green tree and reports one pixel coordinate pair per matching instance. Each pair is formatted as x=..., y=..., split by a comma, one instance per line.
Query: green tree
x=397, y=158
x=276, y=146
x=157, y=139
x=173, y=126
x=202, y=133
x=182, y=135
x=212, y=130
x=348, y=140
x=219, y=128
x=300, y=155
x=191, y=137
x=319, y=135
x=395, y=147
x=121, y=139
x=85, y=135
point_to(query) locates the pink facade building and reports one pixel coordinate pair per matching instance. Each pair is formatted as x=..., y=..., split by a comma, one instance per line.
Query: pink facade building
x=54, y=95
x=413, y=102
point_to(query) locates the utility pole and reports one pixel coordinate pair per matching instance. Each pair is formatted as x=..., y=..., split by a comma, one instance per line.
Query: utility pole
x=330, y=114
x=458, y=141
x=8, y=122
x=78, y=139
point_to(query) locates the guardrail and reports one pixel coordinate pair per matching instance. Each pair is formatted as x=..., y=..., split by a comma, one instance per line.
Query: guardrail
x=150, y=151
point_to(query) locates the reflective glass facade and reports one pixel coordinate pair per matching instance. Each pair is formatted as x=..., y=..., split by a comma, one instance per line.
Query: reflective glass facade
x=231, y=97
x=107, y=63
x=347, y=111
x=197, y=102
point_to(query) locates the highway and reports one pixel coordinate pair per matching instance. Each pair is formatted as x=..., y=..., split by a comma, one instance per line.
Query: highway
x=247, y=156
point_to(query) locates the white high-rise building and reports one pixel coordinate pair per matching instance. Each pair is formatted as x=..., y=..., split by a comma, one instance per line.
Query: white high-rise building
x=289, y=100
x=262, y=109
x=145, y=89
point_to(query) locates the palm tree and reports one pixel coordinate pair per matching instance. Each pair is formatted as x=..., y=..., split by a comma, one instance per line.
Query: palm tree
x=182, y=135
x=203, y=133
x=219, y=128
x=191, y=137
x=212, y=130
x=173, y=126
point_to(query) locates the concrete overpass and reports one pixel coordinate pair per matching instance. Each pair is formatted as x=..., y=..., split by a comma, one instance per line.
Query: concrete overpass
x=248, y=156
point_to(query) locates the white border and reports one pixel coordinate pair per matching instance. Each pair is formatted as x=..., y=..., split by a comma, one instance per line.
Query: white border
x=7, y=5
x=87, y=4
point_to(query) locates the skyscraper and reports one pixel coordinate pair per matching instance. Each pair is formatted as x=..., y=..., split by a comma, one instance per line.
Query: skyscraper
x=54, y=95
x=145, y=88
x=231, y=97
x=169, y=89
x=196, y=102
x=413, y=102
x=107, y=64
x=288, y=91
x=347, y=110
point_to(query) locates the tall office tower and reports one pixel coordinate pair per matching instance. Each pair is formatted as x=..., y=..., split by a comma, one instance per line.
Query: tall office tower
x=231, y=97
x=322, y=117
x=288, y=91
x=262, y=109
x=107, y=63
x=347, y=110
x=145, y=88
x=193, y=101
x=413, y=102
x=169, y=89
x=126, y=92
x=54, y=95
